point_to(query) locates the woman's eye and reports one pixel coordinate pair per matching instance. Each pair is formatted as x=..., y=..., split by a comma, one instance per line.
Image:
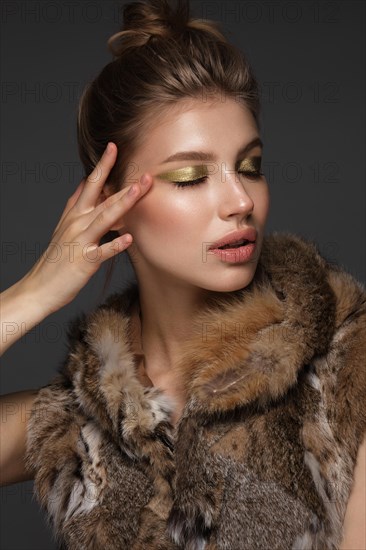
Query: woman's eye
x=189, y=183
x=250, y=168
x=256, y=174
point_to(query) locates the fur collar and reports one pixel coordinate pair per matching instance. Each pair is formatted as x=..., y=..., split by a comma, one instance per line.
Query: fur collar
x=248, y=351
x=289, y=305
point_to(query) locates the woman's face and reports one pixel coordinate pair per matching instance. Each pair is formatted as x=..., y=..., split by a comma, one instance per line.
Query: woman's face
x=173, y=226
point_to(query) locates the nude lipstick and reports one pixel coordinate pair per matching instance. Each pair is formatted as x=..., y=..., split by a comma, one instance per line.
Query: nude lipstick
x=235, y=247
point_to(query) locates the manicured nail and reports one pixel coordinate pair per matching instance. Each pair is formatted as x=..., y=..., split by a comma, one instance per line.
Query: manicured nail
x=132, y=190
x=144, y=180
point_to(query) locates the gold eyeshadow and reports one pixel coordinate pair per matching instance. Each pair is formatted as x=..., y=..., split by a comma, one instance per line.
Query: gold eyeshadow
x=185, y=174
x=252, y=164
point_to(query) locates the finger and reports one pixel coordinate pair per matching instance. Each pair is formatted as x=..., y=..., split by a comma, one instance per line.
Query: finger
x=110, y=249
x=70, y=203
x=144, y=185
x=97, y=178
x=74, y=197
x=108, y=216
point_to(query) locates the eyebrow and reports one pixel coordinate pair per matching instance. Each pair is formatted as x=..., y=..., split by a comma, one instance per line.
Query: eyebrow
x=208, y=156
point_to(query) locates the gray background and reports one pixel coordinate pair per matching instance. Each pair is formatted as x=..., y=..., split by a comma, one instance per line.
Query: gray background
x=309, y=58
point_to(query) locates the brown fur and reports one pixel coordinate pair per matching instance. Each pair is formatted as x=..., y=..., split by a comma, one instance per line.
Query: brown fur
x=263, y=455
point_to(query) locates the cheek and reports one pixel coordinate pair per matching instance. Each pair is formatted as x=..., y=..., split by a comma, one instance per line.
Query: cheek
x=161, y=215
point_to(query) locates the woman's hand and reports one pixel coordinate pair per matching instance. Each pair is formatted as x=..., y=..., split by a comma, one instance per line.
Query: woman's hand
x=74, y=254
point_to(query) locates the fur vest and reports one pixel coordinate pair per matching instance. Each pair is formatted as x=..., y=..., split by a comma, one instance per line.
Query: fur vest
x=264, y=453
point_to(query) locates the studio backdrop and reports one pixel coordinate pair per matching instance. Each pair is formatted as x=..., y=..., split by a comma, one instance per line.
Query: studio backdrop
x=309, y=58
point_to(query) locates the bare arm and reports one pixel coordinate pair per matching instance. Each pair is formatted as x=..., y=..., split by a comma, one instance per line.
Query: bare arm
x=15, y=411
x=49, y=285
x=20, y=311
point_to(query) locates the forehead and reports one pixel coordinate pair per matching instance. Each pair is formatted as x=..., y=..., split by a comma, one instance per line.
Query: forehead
x=220, y=126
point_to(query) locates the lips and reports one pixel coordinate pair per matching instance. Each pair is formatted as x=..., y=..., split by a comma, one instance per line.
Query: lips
x=248, y=234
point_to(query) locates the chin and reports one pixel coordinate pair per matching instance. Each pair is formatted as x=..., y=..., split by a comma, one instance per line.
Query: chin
x=232, y=282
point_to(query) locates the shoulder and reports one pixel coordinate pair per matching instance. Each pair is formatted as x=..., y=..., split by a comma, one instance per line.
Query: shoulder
x=354, y=530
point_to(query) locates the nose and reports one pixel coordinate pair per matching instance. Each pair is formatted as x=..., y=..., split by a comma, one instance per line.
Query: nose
x=234, y=199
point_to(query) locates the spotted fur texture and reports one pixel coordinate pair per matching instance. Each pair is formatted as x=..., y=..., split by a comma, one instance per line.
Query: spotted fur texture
x=264, y=453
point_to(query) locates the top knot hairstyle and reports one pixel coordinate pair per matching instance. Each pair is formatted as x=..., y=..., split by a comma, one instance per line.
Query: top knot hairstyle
x=161, y=55
x=144, y=21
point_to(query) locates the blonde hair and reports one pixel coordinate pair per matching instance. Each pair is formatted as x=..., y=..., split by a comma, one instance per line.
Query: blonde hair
x=162, y=55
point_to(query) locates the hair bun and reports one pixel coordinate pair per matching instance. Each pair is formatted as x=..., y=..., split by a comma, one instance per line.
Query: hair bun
x=156, y=18
x=142, y=20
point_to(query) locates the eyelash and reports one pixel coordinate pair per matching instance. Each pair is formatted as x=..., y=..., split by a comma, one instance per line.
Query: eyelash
x=255, y=175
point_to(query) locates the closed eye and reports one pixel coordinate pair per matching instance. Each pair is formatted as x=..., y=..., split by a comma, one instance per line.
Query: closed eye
x=189, y=183
x=256, y=174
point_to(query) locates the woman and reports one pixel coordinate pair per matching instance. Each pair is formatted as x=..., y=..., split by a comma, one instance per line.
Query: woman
x=235, y=421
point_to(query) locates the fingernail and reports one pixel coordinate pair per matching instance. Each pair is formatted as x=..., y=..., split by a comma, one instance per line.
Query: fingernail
x=132, y=190
x=109, y=147
x=144, y=180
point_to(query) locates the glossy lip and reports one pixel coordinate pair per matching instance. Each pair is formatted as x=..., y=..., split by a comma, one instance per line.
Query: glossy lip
x=237, y=255
x=250, y=234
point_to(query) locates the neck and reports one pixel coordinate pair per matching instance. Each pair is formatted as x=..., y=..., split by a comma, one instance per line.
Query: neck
x=166, y=312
